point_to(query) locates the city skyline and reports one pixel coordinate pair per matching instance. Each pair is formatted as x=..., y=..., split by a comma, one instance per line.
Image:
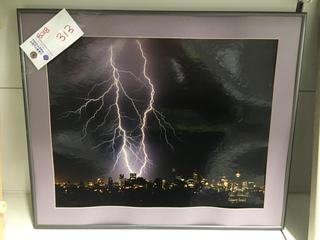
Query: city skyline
x=236, y=192
x=105, y=179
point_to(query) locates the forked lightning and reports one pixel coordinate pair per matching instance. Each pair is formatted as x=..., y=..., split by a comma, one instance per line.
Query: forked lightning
x=133, y=152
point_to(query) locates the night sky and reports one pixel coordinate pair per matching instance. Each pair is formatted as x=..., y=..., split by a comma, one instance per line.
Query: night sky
x=216, y=94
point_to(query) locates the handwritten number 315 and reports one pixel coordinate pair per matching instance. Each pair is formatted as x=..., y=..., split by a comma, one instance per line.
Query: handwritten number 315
x=65, y=33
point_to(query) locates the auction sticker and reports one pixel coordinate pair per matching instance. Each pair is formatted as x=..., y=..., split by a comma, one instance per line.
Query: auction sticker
x=51, y=39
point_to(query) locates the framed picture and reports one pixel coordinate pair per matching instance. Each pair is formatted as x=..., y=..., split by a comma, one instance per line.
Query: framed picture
x=163, y=119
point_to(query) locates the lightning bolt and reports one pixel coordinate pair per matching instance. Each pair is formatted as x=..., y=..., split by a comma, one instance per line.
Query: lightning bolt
x=150, y=109
x=133, y=148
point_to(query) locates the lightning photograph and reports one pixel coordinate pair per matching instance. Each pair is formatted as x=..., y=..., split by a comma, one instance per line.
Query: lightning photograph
x=149, y=122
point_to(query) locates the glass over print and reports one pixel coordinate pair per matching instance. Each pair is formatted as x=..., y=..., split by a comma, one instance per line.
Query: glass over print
x=161, y=122
x=174, y=119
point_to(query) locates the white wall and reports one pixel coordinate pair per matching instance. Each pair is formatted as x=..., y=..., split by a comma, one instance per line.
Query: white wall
x=12, y=126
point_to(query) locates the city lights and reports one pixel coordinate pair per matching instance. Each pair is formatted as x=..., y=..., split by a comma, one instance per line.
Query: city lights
x=229, y=192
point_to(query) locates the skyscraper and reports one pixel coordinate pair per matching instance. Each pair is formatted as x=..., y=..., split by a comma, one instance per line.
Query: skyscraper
x=121, y=180
x=133, y=176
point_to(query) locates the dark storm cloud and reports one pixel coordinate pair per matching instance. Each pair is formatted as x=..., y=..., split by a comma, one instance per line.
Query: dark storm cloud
x=242, y=155
x=70, y=142
x=234, y=65
x=230, y=59
x=189, y=120
x=85, y=65
x=78, y=157
x=178, y=69
x=74, y=169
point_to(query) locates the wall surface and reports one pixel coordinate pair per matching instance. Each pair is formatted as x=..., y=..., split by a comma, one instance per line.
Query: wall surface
x=12, y=122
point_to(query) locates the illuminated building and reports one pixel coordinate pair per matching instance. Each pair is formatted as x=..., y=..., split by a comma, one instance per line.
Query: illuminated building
x=163, y=186
x=237, y=185
x=100, y=182
x=190, y=183
x=223, y=178
x=195, y=176
x=251, y=185
x=205, y=183
x=157, y=183
x=133, y=176
x=139, y=183
x=224, y=183
x=86, y=184
x=121, y=180
x=245, y=185
x=180, y=178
